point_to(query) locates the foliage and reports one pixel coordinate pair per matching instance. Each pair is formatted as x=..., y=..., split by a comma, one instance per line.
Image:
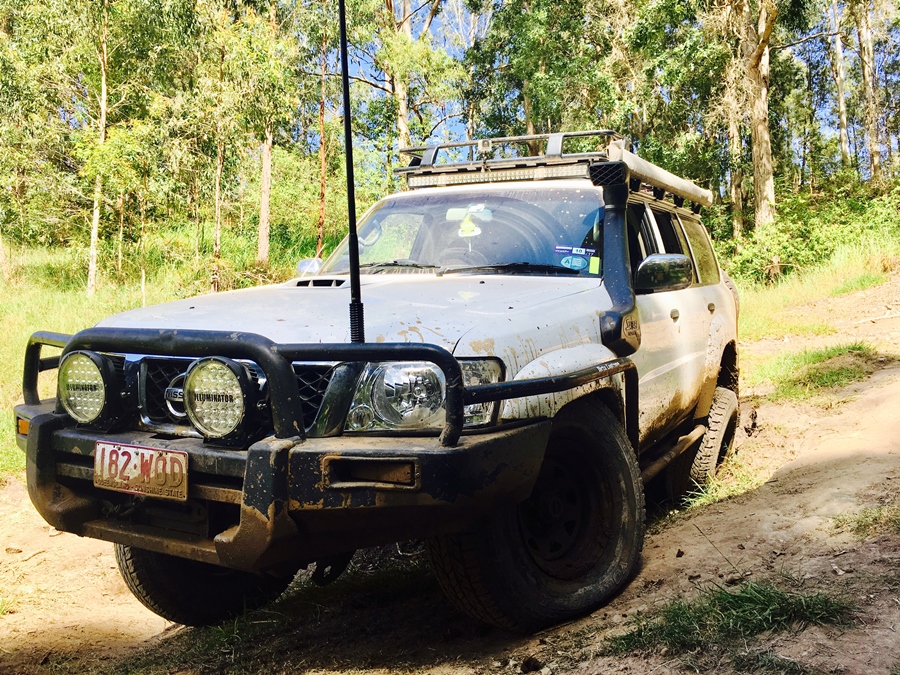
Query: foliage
x=800, y=375
x=719, y=616
x=870, y=521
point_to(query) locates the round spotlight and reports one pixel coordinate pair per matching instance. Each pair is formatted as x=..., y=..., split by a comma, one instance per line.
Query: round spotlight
x=215, y=396
x=82, y=385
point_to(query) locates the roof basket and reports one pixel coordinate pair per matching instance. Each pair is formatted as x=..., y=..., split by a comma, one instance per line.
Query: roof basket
x=423, y=171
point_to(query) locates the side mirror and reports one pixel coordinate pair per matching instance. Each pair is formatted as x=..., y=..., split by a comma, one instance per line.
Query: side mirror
x=662, y=272
x=309, y=267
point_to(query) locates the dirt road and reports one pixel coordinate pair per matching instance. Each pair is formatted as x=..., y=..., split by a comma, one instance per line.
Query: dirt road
x=68, y=611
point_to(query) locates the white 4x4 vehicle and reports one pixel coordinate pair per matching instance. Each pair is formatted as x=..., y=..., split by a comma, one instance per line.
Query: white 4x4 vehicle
x=546, y=334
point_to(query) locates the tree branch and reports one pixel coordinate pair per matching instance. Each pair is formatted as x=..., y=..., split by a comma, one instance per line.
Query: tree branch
x=435, y=6
x=757, y=55
x=806, y=39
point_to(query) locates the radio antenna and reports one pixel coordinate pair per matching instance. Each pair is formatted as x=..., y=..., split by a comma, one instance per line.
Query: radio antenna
x=357, y=321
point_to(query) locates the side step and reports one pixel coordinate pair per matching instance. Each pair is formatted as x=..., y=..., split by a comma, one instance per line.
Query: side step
x=680, y=446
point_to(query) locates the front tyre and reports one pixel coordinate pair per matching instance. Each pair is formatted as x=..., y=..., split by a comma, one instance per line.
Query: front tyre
x=190, y=592
x=568, y=547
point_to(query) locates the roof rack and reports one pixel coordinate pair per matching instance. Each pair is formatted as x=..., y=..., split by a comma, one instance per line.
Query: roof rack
x=553, y=163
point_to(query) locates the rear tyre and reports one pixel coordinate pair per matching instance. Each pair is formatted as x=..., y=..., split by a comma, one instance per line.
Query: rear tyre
x=190, y=592
x=568, y=547
x=695, y=468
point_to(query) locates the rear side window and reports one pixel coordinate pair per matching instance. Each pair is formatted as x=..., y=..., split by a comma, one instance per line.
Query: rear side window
x=673, y=240
x=704, y=258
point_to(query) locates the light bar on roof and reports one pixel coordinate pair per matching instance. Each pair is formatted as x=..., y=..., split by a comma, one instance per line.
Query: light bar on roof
x=498, y=175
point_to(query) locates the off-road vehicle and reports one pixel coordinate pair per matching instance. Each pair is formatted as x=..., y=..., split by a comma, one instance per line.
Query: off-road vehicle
x=546, y=331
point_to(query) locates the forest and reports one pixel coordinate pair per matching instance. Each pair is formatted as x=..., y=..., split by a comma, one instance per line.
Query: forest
x=200, y=140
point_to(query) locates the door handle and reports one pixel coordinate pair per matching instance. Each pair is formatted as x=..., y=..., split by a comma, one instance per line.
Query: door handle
x=674, y=314
x=711, y=307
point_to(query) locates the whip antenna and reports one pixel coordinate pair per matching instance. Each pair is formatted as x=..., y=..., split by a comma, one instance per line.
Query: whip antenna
x=357, y=323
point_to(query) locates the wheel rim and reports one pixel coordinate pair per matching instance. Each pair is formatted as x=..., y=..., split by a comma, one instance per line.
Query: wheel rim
x=566, y=522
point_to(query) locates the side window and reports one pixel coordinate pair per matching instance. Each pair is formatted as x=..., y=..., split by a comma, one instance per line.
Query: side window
x=672, y=242
x=641, y=241
x=672, y=235
x=704, y=258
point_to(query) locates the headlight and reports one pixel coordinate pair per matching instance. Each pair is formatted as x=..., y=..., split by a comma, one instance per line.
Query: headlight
x=412, y=395
x=82, y=385
x=215, y=396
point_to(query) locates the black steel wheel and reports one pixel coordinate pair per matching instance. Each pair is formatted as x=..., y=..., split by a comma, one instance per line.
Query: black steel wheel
x=190, y=592
x=568, y=547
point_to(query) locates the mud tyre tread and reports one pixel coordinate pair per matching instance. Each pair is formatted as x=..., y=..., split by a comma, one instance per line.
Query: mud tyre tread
x=490, y=573
x=190, y=592
x=696, y=467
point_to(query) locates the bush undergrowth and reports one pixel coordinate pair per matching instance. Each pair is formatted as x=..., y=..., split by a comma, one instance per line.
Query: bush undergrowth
x=720, y=615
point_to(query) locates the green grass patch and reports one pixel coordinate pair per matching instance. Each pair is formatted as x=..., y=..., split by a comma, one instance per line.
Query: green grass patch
x=733, y=477
x=801, y=375
x=766, y=661
x=859, y=283
x=771, y=310
x=5, y=606
x=870, y=521
x=719, y=616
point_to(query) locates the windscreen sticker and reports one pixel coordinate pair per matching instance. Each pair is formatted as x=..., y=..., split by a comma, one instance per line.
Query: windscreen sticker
x=574, y=262
x=574, y=250
x=594, y=266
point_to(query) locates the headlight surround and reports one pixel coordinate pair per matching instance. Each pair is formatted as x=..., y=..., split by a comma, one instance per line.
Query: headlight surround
x=216, y=396
x=86, y=386
x=475, y=372
x=411, y=395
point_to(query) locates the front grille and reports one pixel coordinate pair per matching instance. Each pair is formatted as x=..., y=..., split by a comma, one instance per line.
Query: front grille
x=312, y=380
x=158, y=374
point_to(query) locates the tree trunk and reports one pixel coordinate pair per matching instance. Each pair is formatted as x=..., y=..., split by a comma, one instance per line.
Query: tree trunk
x=102, y=57
x=867, y=65
x=217, y=236
x=120, y=206
x=837, y=70
x=220, y=168
x=758, y=72
x=320, y=231
x=533, y=147
x=401, y=87
x=4, y=260
x=737, y=178
x=265, y=195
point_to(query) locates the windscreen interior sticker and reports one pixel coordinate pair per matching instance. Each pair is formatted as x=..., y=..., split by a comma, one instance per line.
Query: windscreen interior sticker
x=574, y=250
x=574, y=262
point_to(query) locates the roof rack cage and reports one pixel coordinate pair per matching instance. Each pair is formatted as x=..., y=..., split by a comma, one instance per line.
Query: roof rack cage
x=550, y=164
x=423, y=157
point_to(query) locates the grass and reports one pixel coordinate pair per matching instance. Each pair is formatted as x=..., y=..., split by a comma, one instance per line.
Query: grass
x=859, y=283
x=28, y=305
x=719, y=616
x=870, y=521
x=5, y=606
x=770, y=311
x=733, y=477
x=800, y=375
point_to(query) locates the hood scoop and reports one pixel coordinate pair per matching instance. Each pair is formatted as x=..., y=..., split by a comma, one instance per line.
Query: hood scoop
x=322, y=283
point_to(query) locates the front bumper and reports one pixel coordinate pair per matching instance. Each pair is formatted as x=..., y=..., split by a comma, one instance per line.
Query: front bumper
x=284, y=501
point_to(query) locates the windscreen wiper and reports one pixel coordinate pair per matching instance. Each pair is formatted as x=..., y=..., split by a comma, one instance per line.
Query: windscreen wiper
x=513, y=267
x=412, y=264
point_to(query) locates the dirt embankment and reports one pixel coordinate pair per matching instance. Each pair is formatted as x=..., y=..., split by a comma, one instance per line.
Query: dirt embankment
x=66, y=609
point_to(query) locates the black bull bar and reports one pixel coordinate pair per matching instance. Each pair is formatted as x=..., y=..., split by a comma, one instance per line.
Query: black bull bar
x=276, y=362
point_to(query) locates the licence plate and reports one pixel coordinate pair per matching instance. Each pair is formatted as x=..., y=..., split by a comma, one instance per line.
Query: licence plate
x=141, y=471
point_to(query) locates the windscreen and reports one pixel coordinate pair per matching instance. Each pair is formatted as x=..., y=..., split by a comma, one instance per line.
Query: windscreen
x=539, y=231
